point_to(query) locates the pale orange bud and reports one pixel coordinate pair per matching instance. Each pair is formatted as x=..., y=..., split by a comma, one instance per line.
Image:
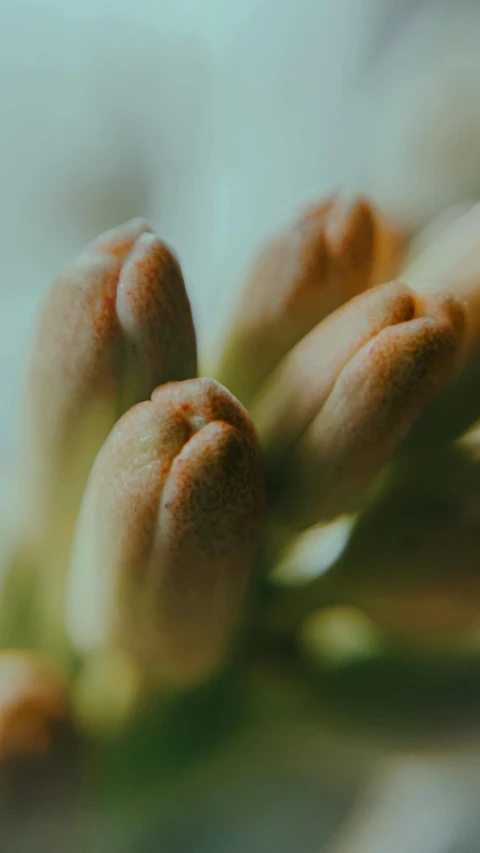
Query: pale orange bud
x=33, y=706
x=168, y=533
x=38, y=744
x=338, y=405
x=319, y=263
x=116, y=324
x=447, y=254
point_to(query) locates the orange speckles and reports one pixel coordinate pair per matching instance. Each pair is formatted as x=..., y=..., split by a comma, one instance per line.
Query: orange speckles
x=107, y=311
x=99, y=303
x=92, y=359
x=349, y=229
x=154, y=313
x=174, y=517
x=343, y=398
x=443, y=307
x=318, y=264
x=34, y=707
x=207, y=400
x=335, y=251
x=304, y=379
x=145, y=276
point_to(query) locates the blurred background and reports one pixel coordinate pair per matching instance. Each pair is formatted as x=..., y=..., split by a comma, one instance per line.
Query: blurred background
x=216, y=120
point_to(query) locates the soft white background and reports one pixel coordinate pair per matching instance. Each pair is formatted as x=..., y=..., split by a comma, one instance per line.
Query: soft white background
x=213, y=118
x=217, y=120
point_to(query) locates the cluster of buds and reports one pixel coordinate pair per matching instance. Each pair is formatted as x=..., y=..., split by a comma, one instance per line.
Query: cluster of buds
x=154, y=505
x=143, y=485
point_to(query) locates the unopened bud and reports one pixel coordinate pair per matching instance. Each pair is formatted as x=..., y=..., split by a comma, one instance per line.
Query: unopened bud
x=339, y=404
x=116, y=324
x=168, y=533
x=319, y=263
x=447, y=254
x=38, y=745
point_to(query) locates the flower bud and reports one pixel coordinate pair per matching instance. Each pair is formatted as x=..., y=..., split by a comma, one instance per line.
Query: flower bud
x=341, y=401
x=116, y=324
x=168, y=533
x=38, y=746
x=319, y=263
x=447, y=254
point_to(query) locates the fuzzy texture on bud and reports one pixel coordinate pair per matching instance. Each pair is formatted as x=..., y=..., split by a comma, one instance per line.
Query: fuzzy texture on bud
x=115, y=324
x=338, y=405
x=319, y=263
x=447, y=254
x=168, y=533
